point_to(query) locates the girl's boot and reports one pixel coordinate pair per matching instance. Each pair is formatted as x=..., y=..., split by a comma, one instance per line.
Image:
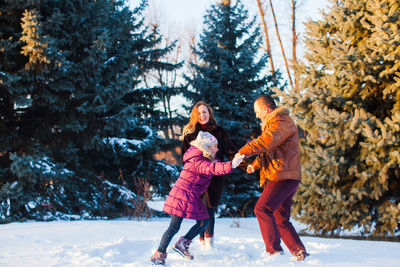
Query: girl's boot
x=159, y=258
x=182, y=247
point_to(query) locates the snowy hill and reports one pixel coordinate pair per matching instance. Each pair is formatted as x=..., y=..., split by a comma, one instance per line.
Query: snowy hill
x=131, y=243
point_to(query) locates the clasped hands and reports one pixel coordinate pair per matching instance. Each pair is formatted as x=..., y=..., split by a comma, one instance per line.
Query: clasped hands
x=238, y=159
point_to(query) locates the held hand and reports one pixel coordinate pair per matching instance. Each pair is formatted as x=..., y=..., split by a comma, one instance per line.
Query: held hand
x=238, y=155
x=237, y=160
x=250, y=169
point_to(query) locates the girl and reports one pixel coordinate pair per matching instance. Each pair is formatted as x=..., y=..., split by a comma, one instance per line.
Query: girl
x=202, y=119
x=184, y=200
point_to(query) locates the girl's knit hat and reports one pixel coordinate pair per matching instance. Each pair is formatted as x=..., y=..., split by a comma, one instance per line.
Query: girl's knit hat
x=203, y=141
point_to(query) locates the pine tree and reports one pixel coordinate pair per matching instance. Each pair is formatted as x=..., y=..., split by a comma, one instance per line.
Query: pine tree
x=163, y=83
x=349, y=111
x=229, y=77
x=11, y=94
x=69, y=115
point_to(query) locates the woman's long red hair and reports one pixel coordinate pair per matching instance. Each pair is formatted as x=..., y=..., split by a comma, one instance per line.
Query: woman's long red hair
x=194, y=118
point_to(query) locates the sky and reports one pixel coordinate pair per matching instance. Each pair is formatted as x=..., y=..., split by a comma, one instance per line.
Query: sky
x=191, y=12
x=177, y=17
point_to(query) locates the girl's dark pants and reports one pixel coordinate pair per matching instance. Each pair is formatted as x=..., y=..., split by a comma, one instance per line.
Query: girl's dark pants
x=173, y=228
x=273, y=214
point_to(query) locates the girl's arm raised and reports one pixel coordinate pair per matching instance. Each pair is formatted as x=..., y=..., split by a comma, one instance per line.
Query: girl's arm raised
x=204, y=166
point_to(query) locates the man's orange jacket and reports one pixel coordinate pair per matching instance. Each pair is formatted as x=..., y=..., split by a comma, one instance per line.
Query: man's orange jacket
x=277, y=148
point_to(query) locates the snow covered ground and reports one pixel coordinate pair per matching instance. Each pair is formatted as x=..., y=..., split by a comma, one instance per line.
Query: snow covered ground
x=131, y=243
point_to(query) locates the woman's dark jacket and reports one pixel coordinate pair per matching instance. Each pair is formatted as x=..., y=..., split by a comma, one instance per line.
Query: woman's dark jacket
x=225, y=148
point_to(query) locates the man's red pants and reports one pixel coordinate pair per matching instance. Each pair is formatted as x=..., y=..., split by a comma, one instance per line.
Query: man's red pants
x=273, y=214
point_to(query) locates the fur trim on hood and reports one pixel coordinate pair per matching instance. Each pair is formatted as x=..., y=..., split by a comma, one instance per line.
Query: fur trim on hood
x=280, y=111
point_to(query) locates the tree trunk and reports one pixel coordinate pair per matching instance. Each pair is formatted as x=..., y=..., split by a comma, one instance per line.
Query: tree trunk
x=267, y=38
x=294, y=45
x=280, y=43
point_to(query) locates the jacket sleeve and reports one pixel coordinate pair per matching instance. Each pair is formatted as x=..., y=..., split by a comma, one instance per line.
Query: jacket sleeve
x=270, y=138
x=207, y=167
x=256, y=163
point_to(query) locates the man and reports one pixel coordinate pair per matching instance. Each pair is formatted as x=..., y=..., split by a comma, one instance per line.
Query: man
x=279, y=160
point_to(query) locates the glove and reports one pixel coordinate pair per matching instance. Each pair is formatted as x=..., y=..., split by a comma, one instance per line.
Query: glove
x=250, y=169
x=237, y=160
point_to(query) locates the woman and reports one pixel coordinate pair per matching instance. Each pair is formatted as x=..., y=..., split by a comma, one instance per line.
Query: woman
x=202, y=119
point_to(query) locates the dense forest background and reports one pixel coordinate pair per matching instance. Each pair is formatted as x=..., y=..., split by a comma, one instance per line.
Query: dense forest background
x=87, y=92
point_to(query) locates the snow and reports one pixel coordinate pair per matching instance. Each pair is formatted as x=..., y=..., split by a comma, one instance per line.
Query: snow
x=126, y=193
x=130, y=243
x=47, y=167
x=123, y=143
x=8, y=207
x=109, y=60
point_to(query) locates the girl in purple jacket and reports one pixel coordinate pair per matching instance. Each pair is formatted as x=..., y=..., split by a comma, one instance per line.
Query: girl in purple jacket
x=184, y=200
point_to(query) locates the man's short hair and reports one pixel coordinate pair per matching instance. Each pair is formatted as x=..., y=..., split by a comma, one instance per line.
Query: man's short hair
x=266, y=101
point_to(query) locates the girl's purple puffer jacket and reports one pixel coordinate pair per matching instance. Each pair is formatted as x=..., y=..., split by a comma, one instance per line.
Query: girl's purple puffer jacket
x=184, y=199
